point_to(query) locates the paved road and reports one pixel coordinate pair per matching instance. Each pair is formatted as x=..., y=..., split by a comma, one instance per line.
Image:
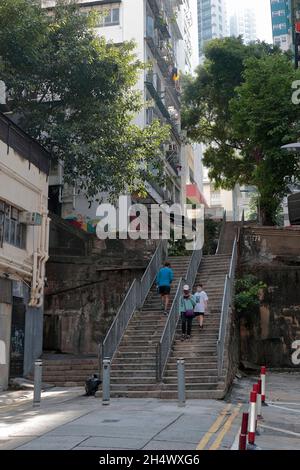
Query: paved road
x=280, y=428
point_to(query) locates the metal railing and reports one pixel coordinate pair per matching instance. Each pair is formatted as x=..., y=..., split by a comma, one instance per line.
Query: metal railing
x=116, y=331
x=227, y=298
x=165, y=344
x=152, y=269
x=221, y=231
x=134, y=299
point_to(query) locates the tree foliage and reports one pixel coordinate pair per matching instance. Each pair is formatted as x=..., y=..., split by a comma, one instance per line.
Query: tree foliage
x=248, y=290
x=74, y=93
x=239, y=105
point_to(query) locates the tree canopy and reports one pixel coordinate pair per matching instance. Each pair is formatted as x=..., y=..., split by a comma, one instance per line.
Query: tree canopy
x=74, y=92
x=239, y=105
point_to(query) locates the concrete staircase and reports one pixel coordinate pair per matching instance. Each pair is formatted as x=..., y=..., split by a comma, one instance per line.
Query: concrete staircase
x=133, y=371
x=200, y=352
x=227, y=237
x=63, y=370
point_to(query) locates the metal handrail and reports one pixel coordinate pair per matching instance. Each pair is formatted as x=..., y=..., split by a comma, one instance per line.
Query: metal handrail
x=221, y=231
x=152, y=269
x=167, y=338
x=121, y=320
x=134, y=299
x=227, y=296
x=164, y=346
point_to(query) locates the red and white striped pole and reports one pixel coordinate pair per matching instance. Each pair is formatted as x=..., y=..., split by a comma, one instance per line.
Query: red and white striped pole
x=263, y=384
x=259, y=413
x=252, y=429
x=255, y=389
x=244, y=430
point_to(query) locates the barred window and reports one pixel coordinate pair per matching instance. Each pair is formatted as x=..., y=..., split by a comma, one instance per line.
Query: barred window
x=11, y=230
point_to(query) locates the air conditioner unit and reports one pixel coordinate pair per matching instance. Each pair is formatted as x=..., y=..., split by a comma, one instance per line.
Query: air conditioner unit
x=30, y=218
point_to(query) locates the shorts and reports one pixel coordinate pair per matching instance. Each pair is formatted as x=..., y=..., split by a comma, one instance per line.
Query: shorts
x=198, y=314
x=164, y=290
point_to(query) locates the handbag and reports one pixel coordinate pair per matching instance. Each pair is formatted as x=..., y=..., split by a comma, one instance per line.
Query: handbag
x=189, y=313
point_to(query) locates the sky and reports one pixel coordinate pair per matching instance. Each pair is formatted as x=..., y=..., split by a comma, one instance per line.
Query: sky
x=263, y=16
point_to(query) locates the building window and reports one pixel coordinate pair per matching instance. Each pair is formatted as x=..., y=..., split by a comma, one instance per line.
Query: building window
x=11, y=230
x=111, y=18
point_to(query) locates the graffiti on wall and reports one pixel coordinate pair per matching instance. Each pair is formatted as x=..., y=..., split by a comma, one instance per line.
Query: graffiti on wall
x=82, y=222
x=17, y=343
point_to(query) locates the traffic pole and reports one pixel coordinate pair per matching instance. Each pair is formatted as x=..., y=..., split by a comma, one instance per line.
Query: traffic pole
x=38, y=367
x=251, y=433
x=263, y=385
x=181, y=382
x=259, y=412
x=256, y=390
x=243, y=433
x=106, y=381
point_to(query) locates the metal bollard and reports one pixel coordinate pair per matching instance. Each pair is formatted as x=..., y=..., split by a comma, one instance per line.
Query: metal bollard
x=252, y=418
x=244, y=431
x=263, y=385
x=106, y=382
x=181, y=382
x=38, y=367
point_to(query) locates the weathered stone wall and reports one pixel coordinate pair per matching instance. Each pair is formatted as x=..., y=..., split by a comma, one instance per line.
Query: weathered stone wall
x=87, y=280
x=233, y=348
x=77, y=318
x=271, y=334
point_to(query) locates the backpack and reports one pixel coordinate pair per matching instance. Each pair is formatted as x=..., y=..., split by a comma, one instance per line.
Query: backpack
x=92, y=385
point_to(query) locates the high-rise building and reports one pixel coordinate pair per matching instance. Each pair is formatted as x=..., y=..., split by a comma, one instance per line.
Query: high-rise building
x=211, y=22
x=281, y=11
x=243, y=23
x=161, y=30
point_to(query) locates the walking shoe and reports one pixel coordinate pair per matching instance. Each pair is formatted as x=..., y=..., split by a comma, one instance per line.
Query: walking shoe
x=188, y=337
x=182, y=337
x=166, y=313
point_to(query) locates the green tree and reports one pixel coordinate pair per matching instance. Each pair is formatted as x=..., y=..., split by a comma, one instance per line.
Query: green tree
x=74, y=93
x=239, y=105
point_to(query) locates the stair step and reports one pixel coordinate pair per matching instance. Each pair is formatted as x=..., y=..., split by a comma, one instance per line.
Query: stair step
x=194, y=386
x=189, y=379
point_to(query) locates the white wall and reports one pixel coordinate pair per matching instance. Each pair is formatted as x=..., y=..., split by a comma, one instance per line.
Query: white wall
x=22, y=185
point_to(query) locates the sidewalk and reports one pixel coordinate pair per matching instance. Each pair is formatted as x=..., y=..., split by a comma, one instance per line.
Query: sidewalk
x=280, y=427
x=69, y=420
x=65, y=421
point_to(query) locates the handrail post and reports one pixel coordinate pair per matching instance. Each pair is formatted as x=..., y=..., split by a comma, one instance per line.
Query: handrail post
x=158, y=362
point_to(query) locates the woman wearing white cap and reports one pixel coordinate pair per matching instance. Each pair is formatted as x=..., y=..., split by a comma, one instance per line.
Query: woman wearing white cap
x=186, y=306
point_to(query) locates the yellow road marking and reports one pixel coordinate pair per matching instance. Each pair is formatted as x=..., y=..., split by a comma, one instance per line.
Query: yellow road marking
x=225, y=428
x=214, y=428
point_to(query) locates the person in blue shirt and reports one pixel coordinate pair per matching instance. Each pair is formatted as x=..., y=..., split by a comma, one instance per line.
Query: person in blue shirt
x=164, y=280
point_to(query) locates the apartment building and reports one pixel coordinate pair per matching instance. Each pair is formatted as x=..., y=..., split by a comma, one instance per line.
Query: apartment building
x=243, y=23
x=212, y=22
x=282, y=23
x=24, y=232
x=161, y=30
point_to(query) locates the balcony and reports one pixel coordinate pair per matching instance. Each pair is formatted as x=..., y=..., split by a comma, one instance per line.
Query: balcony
x=156, y=94
x=162, y=25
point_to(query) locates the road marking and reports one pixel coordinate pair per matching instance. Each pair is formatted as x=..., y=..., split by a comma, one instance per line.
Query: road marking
x=214, y=428
x=280, y=430
x=285, y=408
x=226, y=428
